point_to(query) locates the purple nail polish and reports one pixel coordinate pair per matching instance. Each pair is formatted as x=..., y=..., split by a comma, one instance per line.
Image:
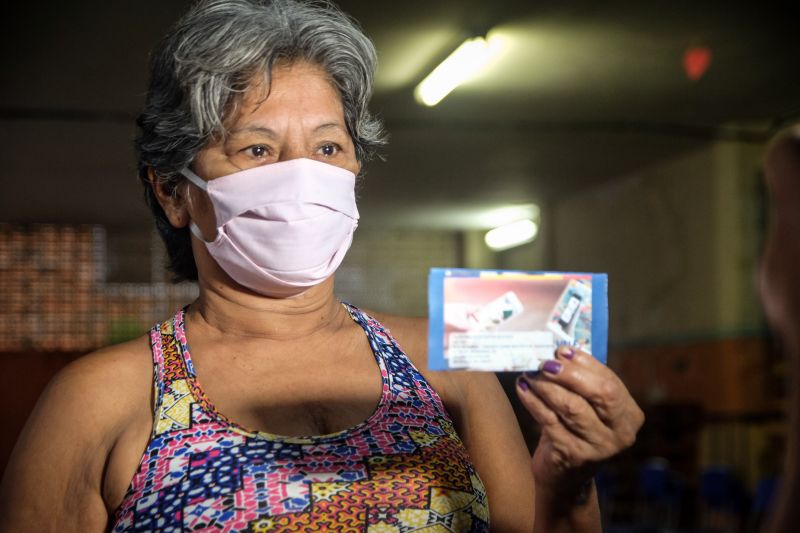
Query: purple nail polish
x=552, y=366
x=523, y=385
x=568, y=353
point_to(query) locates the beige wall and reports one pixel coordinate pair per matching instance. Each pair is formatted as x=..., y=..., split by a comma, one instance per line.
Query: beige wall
x=678, y=240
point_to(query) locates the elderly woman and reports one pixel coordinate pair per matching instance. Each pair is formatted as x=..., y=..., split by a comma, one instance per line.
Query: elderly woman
x=267, y=404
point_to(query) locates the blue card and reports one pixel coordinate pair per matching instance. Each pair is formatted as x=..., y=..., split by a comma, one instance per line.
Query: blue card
x=504, y=321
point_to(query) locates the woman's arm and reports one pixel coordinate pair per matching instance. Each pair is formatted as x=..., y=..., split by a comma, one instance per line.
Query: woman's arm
x=54, y=480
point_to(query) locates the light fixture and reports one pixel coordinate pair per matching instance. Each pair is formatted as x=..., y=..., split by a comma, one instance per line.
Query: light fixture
x=464, y=63
x=511, y=235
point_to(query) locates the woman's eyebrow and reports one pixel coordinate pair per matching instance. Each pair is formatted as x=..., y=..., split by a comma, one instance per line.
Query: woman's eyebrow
x=268, y=132
x=329, y=126
x=272, y=134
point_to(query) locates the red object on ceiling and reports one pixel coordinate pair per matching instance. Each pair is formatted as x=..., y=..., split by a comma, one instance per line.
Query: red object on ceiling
x=696, y=60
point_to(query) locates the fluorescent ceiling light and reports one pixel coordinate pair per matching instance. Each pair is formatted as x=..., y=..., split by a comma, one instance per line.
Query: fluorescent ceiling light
x=500, y=216
x=463, y=64
x=511, y=235
x=449, y=216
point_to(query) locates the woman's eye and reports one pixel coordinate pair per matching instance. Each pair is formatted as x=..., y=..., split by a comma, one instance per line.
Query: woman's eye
x=329, y=150
x=258, y=151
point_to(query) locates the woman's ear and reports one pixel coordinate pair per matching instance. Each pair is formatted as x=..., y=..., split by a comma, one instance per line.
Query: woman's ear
x=172, y=200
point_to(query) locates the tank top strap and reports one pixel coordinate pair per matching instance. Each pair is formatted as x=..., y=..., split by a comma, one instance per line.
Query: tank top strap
x=402, y=372
x=172, y=396
x=156, y=347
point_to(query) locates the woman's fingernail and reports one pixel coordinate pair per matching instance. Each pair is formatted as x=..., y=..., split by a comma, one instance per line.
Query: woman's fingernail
x=567, y=353
x=523, y=385
x=551, y=366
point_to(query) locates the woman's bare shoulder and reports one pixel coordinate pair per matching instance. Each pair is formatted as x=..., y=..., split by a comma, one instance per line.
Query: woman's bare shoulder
x=78, y=420
x=98, y=392
x=118, y=373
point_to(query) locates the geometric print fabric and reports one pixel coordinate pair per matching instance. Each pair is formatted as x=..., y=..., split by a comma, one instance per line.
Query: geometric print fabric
x=403, y=469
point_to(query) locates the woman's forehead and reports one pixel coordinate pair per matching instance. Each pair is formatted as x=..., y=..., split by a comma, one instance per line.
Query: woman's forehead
x=298, y=89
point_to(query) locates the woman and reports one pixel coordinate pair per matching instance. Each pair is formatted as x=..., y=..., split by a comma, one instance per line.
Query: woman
x=268, y=404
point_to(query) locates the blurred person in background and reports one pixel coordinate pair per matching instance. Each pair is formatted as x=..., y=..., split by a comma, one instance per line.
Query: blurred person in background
x=268, y=404
x=780, y=293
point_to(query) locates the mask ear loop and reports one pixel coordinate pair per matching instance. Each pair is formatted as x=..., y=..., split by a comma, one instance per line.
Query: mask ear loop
x=194, y=178
x=201, y=184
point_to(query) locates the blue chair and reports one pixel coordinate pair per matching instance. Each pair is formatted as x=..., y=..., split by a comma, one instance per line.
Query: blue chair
x=723, y=499
x=763, y=501
x=660, y=494
x=720, y=489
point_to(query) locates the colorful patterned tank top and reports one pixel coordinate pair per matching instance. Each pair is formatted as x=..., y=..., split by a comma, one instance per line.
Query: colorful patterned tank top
x=403, y=469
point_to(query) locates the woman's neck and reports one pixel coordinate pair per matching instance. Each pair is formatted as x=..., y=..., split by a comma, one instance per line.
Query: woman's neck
x=227, y=311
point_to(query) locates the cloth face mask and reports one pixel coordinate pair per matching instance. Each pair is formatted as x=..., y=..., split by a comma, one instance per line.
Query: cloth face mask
x=282, y=227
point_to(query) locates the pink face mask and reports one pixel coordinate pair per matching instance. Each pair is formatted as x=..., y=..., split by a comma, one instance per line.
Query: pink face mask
x=282, y=227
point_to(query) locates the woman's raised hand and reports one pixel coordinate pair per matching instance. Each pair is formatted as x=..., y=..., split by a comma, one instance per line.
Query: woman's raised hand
x=586, y=415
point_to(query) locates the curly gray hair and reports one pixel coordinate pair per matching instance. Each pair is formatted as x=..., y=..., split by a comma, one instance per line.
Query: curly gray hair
x=203, y=66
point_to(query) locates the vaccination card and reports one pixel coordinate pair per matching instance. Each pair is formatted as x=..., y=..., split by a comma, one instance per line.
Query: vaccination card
x=507, y=321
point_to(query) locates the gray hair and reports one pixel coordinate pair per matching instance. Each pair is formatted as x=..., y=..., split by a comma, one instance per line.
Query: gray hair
x=203, y=66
